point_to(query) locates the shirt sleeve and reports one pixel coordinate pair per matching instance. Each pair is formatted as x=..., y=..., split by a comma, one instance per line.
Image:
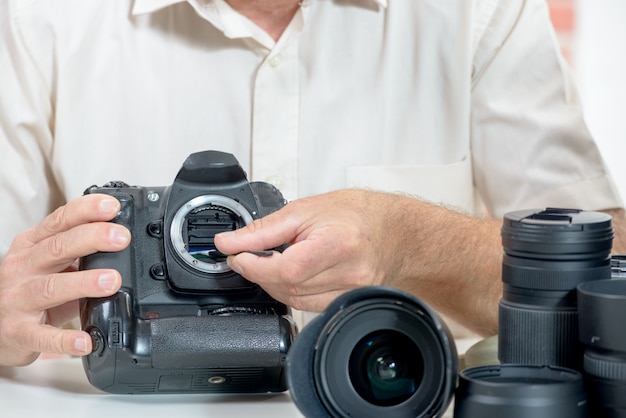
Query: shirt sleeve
x=26, y=133
x=531, y=147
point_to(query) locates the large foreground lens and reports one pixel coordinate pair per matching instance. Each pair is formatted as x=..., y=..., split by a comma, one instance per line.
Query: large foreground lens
x=515, y=391
x=374, y=351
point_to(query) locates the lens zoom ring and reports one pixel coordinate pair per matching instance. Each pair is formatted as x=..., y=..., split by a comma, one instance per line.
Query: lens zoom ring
x=605, y=367
x=538, y=337
x=547, y=279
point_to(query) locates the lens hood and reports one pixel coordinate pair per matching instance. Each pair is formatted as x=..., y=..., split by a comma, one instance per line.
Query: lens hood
x=520, y=391
x=601, y=313
x=602, y=309
x=373, y=351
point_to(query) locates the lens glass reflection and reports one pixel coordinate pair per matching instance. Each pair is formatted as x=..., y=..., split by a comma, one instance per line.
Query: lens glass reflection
x=386, y=368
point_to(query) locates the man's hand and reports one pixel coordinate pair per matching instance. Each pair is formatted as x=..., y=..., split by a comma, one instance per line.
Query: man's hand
x=327, y=254
x=40, y=284
x=352, y=238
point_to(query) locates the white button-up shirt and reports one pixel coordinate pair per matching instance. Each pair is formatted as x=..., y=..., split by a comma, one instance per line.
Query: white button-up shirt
x=449, y=100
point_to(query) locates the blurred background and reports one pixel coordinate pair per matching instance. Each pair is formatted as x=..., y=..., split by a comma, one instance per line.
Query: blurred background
x=592, y=34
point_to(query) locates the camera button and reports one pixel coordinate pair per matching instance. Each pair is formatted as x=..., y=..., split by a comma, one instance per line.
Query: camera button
x=157, y=271
x=155, y=229
x=97, y=342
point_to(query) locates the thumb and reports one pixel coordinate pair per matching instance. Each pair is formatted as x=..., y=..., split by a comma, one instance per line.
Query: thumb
x=265, y=233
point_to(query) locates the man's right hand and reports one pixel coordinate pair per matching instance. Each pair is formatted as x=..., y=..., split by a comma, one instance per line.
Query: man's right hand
x=40, y=285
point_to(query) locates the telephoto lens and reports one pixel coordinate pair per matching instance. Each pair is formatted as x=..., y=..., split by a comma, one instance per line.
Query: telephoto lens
x=547, y=254
x=520, y=391
x=601, y=316
x=374, y=352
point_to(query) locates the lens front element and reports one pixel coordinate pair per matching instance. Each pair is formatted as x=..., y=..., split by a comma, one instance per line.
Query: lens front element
x=386, y=368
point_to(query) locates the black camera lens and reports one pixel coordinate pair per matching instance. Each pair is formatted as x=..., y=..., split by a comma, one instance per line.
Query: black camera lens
x=547, y=253
x=373, y=351
x=517, y=391
x=602, y=310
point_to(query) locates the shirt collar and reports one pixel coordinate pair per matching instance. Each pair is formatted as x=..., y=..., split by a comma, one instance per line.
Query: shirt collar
x=150, y=6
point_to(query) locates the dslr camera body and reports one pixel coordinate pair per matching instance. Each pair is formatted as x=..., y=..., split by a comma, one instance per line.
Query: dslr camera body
x=183, y=322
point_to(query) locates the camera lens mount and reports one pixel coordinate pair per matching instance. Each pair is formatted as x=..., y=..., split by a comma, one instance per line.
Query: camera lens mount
x=195, y=224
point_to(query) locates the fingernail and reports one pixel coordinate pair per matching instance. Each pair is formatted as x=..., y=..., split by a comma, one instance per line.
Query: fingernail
x=80, y=344
x=225, y=234
x=119, y=235
x=109, y=205
x=234, y=266
x=107, y=281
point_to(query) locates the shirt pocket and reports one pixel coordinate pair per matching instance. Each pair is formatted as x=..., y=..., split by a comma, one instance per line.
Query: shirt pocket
x=445, y=184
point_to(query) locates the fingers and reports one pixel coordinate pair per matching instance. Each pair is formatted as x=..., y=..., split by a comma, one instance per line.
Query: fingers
x=305, y=276
x=39, y=285
x=57, y=252
x=86, y=209
x=57, y=289
x=32, y=340
x=329, y=252
x=30, y=314
x=268, y=232
x=72, y=231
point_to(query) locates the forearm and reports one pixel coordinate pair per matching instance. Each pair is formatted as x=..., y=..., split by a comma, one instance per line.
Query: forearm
x=457, y=264
x=353, y=238
x=451, y=260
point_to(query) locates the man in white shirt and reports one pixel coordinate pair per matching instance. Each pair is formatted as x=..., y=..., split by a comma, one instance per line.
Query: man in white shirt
x=467, y=105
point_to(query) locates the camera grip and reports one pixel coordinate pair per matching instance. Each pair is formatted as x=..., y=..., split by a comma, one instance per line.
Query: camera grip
x=217, y=341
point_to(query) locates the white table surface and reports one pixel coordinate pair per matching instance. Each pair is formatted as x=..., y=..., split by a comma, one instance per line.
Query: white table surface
x=58, y=387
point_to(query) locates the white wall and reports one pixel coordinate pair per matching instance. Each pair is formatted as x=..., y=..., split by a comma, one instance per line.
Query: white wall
x=599, y=63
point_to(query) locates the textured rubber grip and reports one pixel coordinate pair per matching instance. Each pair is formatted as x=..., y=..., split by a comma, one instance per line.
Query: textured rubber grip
x=539, y=337
x=216, y=341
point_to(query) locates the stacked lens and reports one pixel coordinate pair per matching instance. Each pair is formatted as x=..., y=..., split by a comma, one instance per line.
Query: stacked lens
x=547, y=254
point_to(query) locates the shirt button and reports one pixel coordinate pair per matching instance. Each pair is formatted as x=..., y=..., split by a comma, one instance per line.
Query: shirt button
x=275, y=181
x=276, y=60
